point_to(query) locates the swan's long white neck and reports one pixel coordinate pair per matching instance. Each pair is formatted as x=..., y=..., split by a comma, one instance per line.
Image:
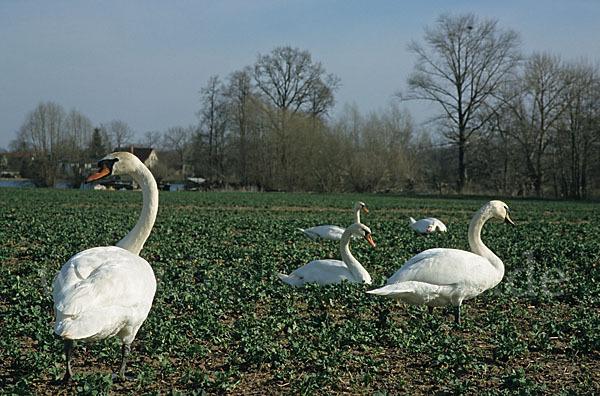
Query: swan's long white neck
x=477, y=246
x=357, y=209
x=134, y=241
x=357, y=270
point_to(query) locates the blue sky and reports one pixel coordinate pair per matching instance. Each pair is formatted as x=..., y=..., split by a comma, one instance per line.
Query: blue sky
x=144, y=62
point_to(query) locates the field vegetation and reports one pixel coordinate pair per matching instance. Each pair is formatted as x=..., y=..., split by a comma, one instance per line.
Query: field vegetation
x=222, y=323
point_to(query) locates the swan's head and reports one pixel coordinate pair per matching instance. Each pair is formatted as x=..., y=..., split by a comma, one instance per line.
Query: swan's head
x=361, y=205
x=362, y=231
x=119, y=163
x=500, y=210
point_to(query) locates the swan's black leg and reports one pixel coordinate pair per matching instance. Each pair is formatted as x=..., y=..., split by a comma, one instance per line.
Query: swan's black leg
x=125, y=351
x=68, y=345
x=457, y=314
x=430, y=309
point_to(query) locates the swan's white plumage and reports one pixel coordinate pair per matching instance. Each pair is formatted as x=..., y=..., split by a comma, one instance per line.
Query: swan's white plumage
x=333, y=232
x=325, y=272
x=428, y=225
x=438, y=277
x=322, y=272
x=103, y=292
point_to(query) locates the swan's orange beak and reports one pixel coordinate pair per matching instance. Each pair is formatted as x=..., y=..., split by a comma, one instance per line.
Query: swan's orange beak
x=369, y=239
x=508, y=220
x=100, y=174
x=365, y=209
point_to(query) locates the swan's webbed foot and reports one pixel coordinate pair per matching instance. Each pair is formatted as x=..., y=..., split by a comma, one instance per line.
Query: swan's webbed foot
x=68, y=346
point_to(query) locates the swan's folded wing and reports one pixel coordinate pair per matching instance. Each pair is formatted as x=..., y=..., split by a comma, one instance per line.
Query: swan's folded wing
x=322, y=272
x=439, y=267
x=115, y=278
x=331, y=232
x=119, y=292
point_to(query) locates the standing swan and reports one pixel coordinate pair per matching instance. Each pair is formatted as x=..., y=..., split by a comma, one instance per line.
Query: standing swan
x=438, y=277
x=334, y=271
x=333, y=232
x=108, y=291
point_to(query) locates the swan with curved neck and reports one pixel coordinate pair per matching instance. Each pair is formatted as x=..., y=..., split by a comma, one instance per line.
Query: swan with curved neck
x=439, y=277
x=333, y=232
x=325, y=272
x=108, y=291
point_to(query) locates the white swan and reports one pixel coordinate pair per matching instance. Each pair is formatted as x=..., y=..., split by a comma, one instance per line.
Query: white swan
x=333, y=232
x=108, y=291
x=438, y=277
x=428, y=225
x=325, y=272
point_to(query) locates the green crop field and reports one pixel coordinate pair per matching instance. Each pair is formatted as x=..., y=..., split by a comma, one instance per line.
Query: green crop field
x=223, y=323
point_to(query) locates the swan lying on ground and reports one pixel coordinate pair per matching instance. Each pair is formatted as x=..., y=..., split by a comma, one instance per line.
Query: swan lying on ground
x=428, y=225
x=108, y=291
x=325, y=272
x=439, y=277
x=333, y=232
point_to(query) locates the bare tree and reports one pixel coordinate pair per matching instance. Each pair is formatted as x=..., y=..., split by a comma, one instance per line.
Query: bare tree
x=537, y=104
x=321, y=98
x=43, y=133
x=375, y=152
x=578, y=135
x=78, y=132
x=461, y=68
x=288, y=77
x=178, y=139
x=152, y=139
x=239, y=94
x=213, y=126
x=118, y=133
x=291, y=83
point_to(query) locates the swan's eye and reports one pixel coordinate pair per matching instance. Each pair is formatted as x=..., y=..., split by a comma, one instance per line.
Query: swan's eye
x=108, y=162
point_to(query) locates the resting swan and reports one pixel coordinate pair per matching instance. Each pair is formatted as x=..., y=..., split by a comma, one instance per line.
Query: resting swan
x=325, y=272
x=438, y=277
x=428, y=225
x=108, y=291
x=333, y=232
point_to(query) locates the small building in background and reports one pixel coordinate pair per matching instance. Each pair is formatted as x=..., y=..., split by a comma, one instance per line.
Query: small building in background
x=146, y=154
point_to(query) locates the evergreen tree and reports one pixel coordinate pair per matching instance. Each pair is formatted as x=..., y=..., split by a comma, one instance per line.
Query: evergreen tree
x=96, y=150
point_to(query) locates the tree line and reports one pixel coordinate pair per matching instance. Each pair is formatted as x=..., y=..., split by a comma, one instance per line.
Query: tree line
x=508, y=123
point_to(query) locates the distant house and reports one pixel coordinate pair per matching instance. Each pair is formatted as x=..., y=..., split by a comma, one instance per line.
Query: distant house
x=146, y=154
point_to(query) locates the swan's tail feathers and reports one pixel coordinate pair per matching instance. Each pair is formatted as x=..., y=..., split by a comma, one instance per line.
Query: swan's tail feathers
x=85, y=326
x=405, y=289
x=311, y=235
x=291, y=279
x=412, y=292
x=412, y=221
x=393, y=290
